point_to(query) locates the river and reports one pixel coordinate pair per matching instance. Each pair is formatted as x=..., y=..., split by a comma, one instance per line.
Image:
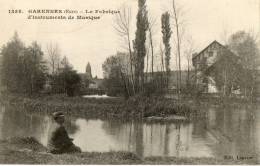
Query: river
x=225, y=133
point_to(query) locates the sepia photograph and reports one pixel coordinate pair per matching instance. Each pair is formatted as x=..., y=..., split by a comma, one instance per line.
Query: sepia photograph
x=130, y=82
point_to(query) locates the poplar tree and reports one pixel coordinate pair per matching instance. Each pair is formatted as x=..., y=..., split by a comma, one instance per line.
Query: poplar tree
x=166, y=32
x=139, y=43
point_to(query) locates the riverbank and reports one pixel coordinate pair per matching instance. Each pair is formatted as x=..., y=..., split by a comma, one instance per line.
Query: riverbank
x=29, y=151
x=136, y=107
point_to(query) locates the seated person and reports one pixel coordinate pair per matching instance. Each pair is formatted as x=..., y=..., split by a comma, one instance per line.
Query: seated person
x=59, y=140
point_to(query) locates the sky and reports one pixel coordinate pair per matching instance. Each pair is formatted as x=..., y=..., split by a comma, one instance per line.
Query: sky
x=84, y=41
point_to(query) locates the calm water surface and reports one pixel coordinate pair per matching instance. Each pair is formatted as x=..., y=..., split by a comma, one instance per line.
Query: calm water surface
x=225, y=132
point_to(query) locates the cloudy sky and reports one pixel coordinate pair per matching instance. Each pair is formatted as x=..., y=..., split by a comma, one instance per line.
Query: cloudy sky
x=92, y=41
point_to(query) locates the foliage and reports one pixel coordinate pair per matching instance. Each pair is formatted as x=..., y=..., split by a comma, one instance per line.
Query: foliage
x=66, y=80
x=113, y=74
x=139, y=44
x=166, y=31
x=23, y=69
x=10, y=69
x=72, y=81
x=245, y=46
x=227, y=72
x=34, y=69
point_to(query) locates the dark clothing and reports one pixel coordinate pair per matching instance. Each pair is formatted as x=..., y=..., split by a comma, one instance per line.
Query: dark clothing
x=61, y=143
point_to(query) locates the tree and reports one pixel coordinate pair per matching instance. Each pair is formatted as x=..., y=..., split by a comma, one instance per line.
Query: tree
x=33, y=69
x=65, y=63
x=114, y=75
x=188, y=52
x=151, y=23
x=123, y=29
x=72, y=81
x=10, y=71
x=226, y=72
x=162, y=75
x=66, y=80
x=23, y=68
x=139, y=43
x=166, y=31
x=178, y=25
x=53, y=52
x=147, y=61
x=244, y=45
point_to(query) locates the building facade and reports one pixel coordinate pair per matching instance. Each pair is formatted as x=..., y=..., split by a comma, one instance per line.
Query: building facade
x=205, y=63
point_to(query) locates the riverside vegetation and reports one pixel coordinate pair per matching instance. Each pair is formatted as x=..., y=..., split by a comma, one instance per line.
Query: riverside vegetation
x=135, y=107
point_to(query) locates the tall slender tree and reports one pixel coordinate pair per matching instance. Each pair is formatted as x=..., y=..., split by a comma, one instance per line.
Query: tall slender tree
x=139, y=43
x=189, y=50
x=151, y=23
x=177, y=27
x=166, y=31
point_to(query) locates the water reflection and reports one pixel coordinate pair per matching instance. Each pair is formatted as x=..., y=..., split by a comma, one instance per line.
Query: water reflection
x=18, y=124
x=14, y=123
x=233, y=132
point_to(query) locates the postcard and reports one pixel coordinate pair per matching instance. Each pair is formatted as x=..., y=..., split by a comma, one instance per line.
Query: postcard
x=130, y=82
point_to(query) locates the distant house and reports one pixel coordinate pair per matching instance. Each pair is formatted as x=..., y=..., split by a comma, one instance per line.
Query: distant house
x=205, y=62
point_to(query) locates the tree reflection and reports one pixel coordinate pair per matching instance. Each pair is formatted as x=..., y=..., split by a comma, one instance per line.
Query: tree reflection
x=234, y=128
x=139, y=135
x=150, y=139
x=17, y=123
x=20, y=123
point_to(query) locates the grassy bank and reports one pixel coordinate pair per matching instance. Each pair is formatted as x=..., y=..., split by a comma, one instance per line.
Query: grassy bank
x=136, y=107
x=29, y=151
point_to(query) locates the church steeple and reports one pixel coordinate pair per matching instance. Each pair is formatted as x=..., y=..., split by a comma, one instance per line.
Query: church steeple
x=88, y=70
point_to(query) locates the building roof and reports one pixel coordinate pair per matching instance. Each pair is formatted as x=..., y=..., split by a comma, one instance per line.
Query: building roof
x=215, y=41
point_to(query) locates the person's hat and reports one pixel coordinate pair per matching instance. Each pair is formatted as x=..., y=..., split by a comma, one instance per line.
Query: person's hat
x=57, y=114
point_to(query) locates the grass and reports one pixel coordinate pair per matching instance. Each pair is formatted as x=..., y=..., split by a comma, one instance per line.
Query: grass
x=29, y=151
